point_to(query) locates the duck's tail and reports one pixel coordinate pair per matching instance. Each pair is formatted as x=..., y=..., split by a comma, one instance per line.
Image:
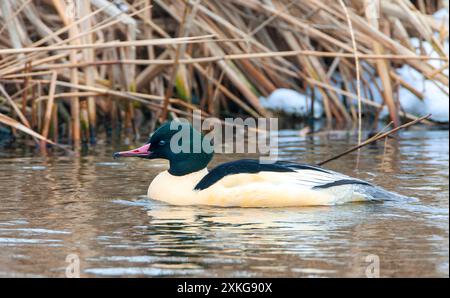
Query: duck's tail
x=378, y=194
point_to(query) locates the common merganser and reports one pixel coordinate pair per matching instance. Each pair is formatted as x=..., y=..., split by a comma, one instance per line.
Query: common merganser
x=245, y=183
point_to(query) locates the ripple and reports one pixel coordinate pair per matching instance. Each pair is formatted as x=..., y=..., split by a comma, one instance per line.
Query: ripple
x=14, y=223
x=143, y=202
x=110, y=164
x=34, y=168
x=26, y=241
x=35, y=230
x=142, y=259
x=121, y=271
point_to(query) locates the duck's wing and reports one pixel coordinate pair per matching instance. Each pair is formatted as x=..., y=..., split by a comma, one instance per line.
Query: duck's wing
x=305, y=175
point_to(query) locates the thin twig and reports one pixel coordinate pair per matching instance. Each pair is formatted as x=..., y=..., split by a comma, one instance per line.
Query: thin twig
x=373, y=139
x=173, y=75
x=358, y=74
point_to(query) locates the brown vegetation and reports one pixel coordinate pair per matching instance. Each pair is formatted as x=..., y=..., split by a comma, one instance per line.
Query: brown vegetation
x=70, y=68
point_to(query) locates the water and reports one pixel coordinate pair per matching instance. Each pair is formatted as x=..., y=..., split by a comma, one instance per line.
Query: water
x=95, y=207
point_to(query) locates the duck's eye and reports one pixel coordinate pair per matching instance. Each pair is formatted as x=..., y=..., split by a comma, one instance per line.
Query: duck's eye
x=161, y=143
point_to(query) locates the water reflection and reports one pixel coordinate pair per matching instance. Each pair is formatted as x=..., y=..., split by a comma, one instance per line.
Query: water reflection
x=94, y=207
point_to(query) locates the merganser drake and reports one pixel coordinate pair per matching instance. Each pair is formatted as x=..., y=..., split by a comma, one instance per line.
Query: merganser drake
x=245, y=183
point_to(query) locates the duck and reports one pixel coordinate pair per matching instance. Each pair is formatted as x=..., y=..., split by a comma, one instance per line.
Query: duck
x=245, y=182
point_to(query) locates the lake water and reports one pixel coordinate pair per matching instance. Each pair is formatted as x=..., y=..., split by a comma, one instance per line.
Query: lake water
x=94, y=208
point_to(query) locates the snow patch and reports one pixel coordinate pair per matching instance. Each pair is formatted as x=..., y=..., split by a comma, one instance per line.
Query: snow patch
x=291, y=102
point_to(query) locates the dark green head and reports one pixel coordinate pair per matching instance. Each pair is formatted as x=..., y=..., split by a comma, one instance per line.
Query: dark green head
x=185, y=148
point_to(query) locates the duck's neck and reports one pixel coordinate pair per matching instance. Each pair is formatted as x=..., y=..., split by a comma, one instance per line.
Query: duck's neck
x=189, y=163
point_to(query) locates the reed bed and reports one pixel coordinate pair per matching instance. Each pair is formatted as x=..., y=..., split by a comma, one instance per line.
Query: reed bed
x=71, y=72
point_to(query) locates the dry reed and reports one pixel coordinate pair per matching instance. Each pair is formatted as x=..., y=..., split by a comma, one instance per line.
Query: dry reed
x=74, y=69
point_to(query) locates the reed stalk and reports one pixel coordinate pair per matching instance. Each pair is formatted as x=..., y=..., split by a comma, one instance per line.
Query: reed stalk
x=104, y=66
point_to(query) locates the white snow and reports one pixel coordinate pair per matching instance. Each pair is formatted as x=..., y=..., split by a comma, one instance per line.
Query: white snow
x=291, y=102
x=435, y=100
x=441, y=16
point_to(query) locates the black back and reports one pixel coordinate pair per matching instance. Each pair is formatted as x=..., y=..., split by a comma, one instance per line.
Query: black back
x=250, y=166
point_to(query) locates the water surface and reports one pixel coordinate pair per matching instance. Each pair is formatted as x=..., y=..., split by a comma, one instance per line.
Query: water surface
x=95, y=207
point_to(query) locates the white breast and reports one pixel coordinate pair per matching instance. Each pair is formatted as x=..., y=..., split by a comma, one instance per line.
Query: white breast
x=177, y=190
